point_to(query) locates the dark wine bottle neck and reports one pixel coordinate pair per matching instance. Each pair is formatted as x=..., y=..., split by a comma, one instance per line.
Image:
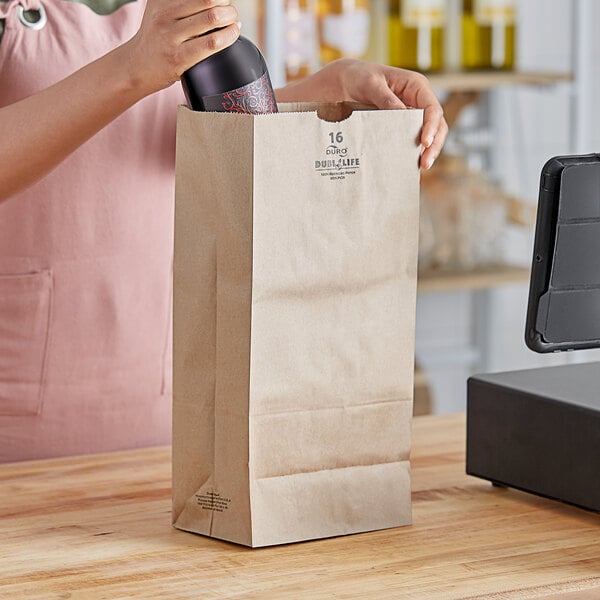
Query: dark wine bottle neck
x=232, y=68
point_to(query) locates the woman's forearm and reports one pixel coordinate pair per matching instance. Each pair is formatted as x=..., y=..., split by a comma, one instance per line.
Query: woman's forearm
x=40, y=131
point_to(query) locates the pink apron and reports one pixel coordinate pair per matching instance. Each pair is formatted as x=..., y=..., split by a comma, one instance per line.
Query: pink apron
x=85, y=257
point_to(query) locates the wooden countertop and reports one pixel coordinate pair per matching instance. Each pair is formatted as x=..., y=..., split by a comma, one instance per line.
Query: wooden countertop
x=99, y=527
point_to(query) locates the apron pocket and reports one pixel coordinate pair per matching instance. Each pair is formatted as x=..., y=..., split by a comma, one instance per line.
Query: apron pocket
x=25, y=316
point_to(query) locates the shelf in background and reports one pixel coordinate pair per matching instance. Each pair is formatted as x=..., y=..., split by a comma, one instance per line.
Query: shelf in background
x=479, y=81
x=477, y=279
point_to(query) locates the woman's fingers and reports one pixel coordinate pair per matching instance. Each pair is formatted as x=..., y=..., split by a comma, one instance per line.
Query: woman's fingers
x=196, y=49
x=200, y=23
x=408, y=88
x=436, y=137
x=181, y=9
x=175, y=35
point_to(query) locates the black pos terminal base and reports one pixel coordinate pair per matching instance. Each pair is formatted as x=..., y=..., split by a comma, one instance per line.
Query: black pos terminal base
x=538, y=430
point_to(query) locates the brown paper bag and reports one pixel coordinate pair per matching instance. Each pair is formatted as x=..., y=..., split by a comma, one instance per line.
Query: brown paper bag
x=294, y=307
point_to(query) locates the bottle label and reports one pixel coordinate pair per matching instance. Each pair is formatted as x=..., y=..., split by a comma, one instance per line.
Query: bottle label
x=348, y=32
x=494, y=12
x=256, y=98
x=424, y=13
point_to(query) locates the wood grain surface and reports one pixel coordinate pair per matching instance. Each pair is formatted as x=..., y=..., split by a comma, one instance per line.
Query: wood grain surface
x=98, y=527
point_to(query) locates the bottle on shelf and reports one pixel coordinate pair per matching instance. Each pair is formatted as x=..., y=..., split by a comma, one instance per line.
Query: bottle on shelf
x=344, y=27
x=234, y=80
x=488, y=34
x=300, y=38
x=416, y=31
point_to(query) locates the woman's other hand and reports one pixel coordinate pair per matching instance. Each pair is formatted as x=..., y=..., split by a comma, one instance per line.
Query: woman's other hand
x=379, y=85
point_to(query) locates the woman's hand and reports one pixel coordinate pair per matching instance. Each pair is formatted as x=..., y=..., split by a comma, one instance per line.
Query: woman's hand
x=174, y=36
x=381, y=86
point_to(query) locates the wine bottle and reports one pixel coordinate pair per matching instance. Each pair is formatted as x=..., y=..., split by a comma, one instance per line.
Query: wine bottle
x=300, y=38
x=416, y=34
x=234, y=80
x=488, y=34
x=343, y=28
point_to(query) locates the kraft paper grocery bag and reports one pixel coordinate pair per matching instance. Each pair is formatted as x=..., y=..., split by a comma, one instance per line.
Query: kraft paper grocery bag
x=294, y=312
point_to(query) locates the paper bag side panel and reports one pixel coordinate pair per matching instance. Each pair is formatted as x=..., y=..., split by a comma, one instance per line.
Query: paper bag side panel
x=333, y=313
x=194, y=317
x=207, y=172
x=234, y=295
